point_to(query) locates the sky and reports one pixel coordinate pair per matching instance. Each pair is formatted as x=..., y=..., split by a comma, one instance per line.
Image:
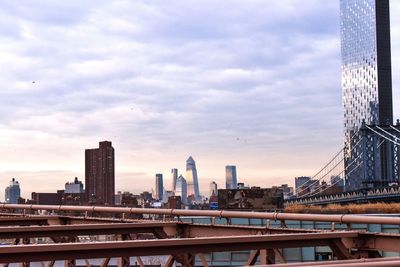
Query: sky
x=253, y=83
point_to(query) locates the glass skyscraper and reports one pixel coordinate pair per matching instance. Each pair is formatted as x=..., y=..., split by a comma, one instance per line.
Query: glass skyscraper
x=366, y=84
x=159, y=187
x=191, y=179
x=174, y=177
x=12, y=192
x=181, y=189
x=231, y=179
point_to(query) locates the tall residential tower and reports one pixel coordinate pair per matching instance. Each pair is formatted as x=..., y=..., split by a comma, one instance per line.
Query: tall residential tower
x=366, y=88
x=100, y=174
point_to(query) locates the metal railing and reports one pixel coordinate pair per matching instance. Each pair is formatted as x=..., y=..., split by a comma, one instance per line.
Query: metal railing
x=345, y=218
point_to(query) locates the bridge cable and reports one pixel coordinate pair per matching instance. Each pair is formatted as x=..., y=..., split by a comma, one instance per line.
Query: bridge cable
x=351, y=163
x=326, y=165
x=319, y=179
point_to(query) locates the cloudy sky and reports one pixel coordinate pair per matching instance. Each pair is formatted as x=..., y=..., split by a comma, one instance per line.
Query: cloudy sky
x=253, y=83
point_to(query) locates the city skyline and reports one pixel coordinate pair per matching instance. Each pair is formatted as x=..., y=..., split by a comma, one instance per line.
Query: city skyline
x=161, y=93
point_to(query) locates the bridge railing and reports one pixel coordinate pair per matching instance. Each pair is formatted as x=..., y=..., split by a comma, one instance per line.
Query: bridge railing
x=345, y=218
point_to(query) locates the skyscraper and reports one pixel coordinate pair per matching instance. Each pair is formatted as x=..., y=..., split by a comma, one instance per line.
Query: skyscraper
x=181, y=189
x=191, y=179
x=174, y=177
x=100, y=174
x=366, y=83
x=231, y=179
x=159, y=186
x=213, y=189
x=12, y=192
x=75, y=187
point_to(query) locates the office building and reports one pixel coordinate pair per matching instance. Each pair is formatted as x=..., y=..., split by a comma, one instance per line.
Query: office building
x=100, y=174
x=166, y=195
x=213, y=189
x=301, y=182
x=12, y=192
x=256, y=199
x=159, y=187
x=174, y=177
x=74, y=187
x=366, y=88
x=181, y=189
x=231, y=179
x=192, y=180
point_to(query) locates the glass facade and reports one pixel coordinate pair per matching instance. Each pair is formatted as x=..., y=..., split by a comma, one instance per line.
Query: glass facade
x=359, y=63
x=231, y=178
x=12, y=192
x=366, y=81
x=159, y=186
x=192, y=180
x=181, y=189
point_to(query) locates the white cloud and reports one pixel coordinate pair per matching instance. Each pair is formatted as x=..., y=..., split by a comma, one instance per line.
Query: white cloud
x=253, y=83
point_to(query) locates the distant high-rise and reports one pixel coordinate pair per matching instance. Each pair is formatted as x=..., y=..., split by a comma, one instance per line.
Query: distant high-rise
x=75, y=187
x=191, y=179
x=231, y=179
x=159, y=186
x=174, y=177
x=181, y=188
x=13, y=192
x=100, y=174
x=302, y=182
x=213, y=189
x=366, y=87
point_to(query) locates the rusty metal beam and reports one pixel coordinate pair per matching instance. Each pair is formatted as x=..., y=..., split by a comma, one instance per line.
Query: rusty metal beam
x=82, y=229
x=203, y=259
x=383, y=262
x=166, y=246
x=380, y=241
x=20, y=221
x=204, y=230
x=340, y=250
x=253, y=257
x=140, y=261
x=170, y=262
x=346, y=218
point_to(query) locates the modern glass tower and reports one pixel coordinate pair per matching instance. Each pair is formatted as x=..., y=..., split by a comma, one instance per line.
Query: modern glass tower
x=191, y=179
x=213, y=189
x=231, y=178
x=174, y=177
x=12, y=192
x=159, y=186
x=181, y=189
x=366, y=84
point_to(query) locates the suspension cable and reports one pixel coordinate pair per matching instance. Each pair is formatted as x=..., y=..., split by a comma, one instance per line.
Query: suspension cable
x=383, y=130
x=381, y=135
x=397, y=130
x=326, y=165
x=319, y=179
x=348, y=166
x=337, y=180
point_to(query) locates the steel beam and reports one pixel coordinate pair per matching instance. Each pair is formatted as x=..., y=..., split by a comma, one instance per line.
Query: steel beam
x=346, y=218
x=165, y=246
x=83, y=229
x=20, y=221
x=383, y=262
